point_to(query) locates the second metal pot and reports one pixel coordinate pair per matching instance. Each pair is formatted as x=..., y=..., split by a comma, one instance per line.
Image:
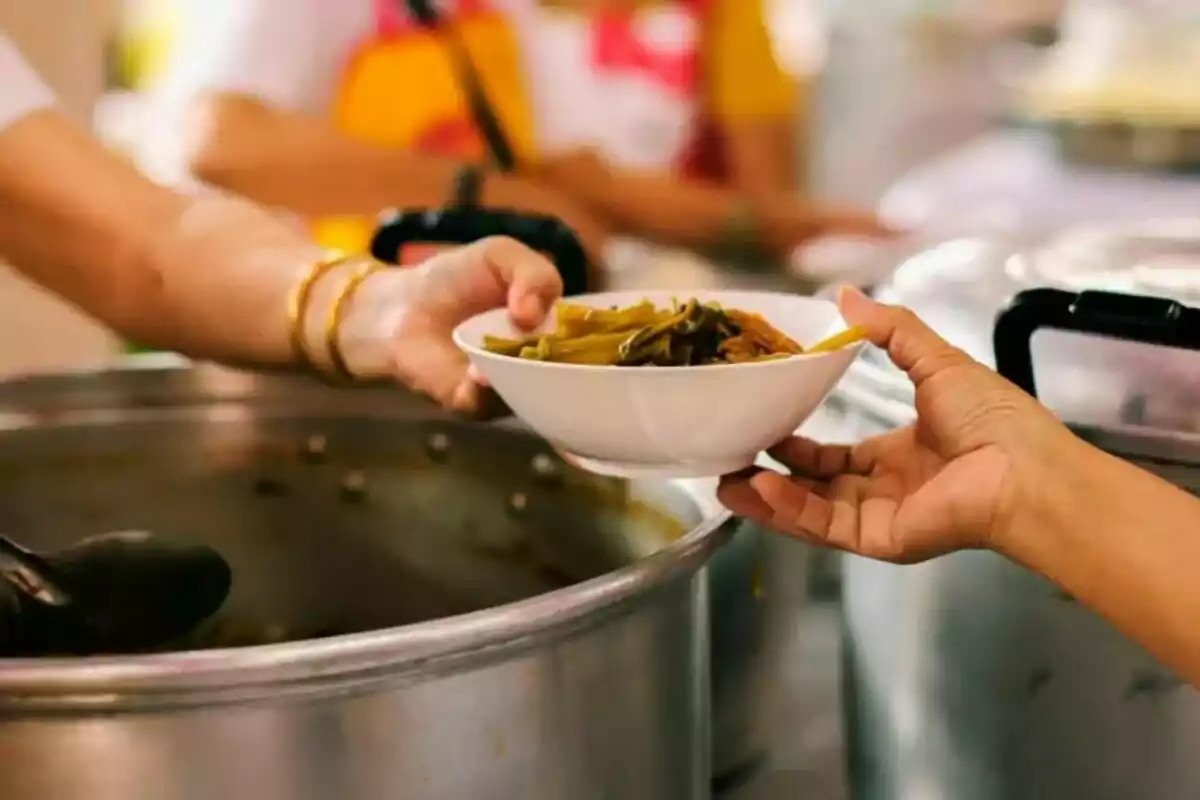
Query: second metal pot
x=968, y=677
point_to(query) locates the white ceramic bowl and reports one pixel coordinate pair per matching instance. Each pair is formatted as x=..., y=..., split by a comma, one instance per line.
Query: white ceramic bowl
x=676, y=422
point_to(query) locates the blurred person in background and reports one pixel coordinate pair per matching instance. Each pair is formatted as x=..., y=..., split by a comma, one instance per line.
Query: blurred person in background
x=669, y=120
x=219, y=278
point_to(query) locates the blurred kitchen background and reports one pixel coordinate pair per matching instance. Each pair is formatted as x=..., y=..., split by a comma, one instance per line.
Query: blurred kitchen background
x=949, y=115
x=887, y=86
x=993, y=120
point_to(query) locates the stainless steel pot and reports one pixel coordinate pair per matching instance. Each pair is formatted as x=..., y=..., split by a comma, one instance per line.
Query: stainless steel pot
x=757, y=575
x=760, y=580
x=494, y=623
x=968, y=677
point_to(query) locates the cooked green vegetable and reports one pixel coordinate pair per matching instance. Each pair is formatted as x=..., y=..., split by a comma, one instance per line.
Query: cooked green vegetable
x=641, y=335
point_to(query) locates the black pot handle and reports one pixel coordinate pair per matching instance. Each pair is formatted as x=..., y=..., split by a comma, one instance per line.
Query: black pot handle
x=1133, y=318
x=465, y=225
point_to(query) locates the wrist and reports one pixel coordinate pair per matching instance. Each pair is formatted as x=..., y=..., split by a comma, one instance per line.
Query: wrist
x=1053, y=491
x=373, y=316
x=369, y=317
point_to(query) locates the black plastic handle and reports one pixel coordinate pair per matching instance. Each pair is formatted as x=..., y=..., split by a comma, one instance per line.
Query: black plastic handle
x=465, y=225
x=1133, y=318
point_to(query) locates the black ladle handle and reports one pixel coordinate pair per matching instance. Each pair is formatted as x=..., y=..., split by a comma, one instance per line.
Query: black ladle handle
x=465, y=225
x=482, y=111
x=30, y=574
x=1133, y=318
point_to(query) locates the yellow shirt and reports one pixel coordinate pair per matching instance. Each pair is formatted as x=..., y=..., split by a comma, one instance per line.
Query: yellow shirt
x=743, y=79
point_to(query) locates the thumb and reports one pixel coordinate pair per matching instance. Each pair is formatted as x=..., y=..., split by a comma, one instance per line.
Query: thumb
x=910, y=343
x=530, y=282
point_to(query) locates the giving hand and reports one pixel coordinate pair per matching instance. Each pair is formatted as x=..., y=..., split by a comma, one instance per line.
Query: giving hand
x=400, y=321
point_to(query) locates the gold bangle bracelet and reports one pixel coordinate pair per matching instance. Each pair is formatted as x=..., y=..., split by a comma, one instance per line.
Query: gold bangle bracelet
x=298, y=299
x=337, y=313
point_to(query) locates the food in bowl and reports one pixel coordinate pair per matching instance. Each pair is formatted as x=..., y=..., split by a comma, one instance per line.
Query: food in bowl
x=689, y=421
x=686, y=334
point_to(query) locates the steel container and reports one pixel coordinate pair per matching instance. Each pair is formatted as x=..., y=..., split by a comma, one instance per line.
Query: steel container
x=422, y=607
x=968, y=677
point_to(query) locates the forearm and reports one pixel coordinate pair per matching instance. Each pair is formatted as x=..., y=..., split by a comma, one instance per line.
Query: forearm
x=1125, y=543
x=683, y=212
x=659, y=207
x=77, y=220
x=207, y=276
x=762, y=159
x=302, y=163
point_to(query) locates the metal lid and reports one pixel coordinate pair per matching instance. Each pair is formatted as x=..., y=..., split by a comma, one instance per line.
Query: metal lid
x=960, y=285
x=1159, y=258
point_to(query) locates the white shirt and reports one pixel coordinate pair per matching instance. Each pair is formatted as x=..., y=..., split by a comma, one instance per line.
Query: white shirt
x=291, y=54
x=22, y=92
x=284, y=53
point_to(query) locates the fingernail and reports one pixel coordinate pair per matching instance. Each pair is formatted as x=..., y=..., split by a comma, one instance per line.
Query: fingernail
x=854, y=303
x=846, y=292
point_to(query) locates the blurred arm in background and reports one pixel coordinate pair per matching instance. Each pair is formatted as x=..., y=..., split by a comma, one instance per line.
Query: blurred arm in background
x=300, y=162
x=213, y=276
x=84, y=224
x=758, y=115
x=243, y=107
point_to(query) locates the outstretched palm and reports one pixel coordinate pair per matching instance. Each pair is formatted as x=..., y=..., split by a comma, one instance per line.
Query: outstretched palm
x=892, y=497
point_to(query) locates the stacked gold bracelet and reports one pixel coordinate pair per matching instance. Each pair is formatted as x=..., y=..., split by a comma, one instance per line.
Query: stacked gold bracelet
x=337, y=313
x=298, y=306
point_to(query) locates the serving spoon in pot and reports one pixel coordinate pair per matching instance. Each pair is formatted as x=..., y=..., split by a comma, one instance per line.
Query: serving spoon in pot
x=113, y=593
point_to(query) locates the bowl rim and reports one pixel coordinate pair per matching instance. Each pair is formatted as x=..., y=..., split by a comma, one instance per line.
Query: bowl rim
x=475, y=351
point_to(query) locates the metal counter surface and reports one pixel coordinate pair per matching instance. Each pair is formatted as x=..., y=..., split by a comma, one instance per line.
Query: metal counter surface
x=807, y=756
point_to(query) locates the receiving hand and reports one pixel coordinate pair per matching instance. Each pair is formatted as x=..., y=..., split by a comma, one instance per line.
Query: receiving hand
x=400, y=322
x=959, y=477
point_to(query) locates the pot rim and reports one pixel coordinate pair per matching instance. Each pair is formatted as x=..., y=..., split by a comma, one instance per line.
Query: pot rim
x=342, y=657
x=108, y=682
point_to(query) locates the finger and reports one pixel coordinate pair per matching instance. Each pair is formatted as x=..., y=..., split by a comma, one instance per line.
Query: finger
x=436, y=368
x=736, y=494
x=482, y=403
x=796, y=504
x=478, y=402
x=806, y=457
x=530, y=282
x=845, y=494
x=910, y=343
x=877, y=518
